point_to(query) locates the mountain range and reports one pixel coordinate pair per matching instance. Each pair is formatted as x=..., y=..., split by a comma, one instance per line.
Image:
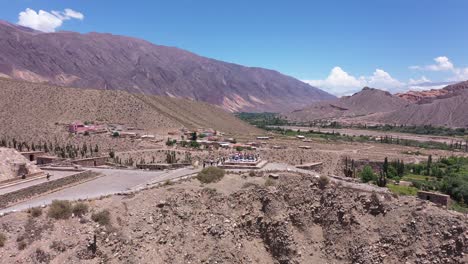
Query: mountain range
x=111, y=62
x=438, y=107
x=366, y=102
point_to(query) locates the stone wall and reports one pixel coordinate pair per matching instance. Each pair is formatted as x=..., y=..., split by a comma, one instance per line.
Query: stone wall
x=436, y=198
x=91, y=162
x=32, y=191
x=162, y=166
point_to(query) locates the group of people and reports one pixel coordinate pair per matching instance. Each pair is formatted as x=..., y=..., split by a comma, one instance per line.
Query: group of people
x=237, y=157
x=243, y=157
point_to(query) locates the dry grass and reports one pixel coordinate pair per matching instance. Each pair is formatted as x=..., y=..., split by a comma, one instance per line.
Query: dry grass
x=80, y=209
x=102, y=217
x=323, y=181
x=210, y=175
x=3, y=239
x=60, y=209
x=35, y=211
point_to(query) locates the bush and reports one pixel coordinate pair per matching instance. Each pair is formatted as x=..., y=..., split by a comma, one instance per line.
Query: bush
x=252, y=173
x=2, y=240
x=80, y=209
x=211, y=174
x=35, y=211
x=60, y=209
x=270, y=182
x=102, y=217
x=194, y=144
x=323, y=181
x=22, y=245
x=367, y=174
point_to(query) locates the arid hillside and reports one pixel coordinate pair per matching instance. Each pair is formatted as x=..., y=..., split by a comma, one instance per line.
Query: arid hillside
x=365, y=102
x=433, y=94
x=443, y=107
x=110, y=62
x=242, y=220
x=42, y=111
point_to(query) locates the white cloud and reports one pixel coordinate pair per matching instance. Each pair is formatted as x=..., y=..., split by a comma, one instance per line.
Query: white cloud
x=340, y=83
x=421, y=80
x=443, y=63
x=46, y=21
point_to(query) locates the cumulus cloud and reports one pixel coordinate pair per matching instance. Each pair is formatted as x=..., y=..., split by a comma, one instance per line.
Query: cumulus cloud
x=340, y=83
x=46, y=21
x=444, y=64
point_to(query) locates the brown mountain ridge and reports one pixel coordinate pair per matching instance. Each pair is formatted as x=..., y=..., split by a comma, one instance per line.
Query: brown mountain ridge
x=112, y=62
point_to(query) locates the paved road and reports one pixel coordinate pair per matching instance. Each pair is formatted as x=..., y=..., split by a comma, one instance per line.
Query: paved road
x=55, y=175
x=113, y=181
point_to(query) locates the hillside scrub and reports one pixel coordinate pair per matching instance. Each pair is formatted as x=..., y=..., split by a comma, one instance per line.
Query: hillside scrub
x=2, y=239
x=80, y=209
x=60, y=209
x=102, y=217
x=210, y=175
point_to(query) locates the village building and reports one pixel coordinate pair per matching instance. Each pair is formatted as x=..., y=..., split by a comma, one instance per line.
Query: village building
x=43, y=160
x=148, y=137
x=437, y=198
x=263, y=138
x=126, y=134
x=32, y=155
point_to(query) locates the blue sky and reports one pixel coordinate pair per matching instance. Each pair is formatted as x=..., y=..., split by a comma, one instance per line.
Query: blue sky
x=339, y=46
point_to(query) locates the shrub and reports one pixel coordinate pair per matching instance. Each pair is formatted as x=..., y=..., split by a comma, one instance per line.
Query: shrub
x=102, y=217
x=35, y=211
x=22, y=245
x=58, y=246
x=80, y=209
x=367, y=174
x=252, y=173
x=168, y=183
x=60, y=209
x=194, y=144
x=211, y=174
x=41, y=256
x=248, y=185
x=2, y=239
x=323, y=181
x=270, y=182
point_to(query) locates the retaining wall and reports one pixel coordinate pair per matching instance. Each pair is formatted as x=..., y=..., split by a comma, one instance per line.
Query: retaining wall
x=29, y=192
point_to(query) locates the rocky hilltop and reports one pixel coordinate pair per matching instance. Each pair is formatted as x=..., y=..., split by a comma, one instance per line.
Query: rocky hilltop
x=437, y=107
x=111, y=62
x=365, y=102
x=243, y=221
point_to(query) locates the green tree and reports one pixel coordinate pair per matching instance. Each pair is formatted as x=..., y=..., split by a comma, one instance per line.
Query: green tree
x=367, y=174
x=429, y=164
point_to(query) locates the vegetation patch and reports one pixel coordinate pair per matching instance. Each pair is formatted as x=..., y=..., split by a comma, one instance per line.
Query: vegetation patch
x=270, y=182
x=403, y=190
x=35, y=211
x=80, y=209
x=211, y=174
x=102, y=217
x=60, y=209
x=323, y=182
x=3, y=239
